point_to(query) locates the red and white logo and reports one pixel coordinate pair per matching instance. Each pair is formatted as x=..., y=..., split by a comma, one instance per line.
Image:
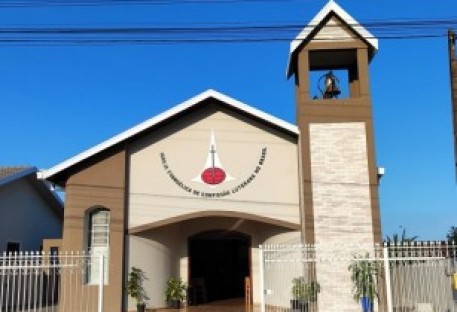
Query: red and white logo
x=213, y=172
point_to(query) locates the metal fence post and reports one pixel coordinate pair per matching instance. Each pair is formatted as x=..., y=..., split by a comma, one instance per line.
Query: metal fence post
x=101, y=283
x=387, y=275
x=261, y=279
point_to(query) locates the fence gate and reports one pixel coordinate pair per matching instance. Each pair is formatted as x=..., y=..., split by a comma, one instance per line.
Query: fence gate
x=402, y=278
x=38, y=282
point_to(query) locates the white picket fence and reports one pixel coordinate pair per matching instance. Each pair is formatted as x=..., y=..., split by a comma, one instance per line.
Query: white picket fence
x=416, y=277
x=42, y=282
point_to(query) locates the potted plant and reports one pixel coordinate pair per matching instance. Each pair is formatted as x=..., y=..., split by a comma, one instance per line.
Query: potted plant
x=135, y=288
x=303, y=292
x=175, y=292
x=363, y=277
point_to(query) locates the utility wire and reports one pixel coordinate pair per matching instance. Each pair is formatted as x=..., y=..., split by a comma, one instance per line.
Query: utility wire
x=392, y=30
x=111, y=42
x=98, y=3
x=381, y=26
x=403, y=26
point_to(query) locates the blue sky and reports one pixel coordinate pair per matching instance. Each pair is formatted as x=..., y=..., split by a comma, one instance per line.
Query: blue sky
x=58, y=101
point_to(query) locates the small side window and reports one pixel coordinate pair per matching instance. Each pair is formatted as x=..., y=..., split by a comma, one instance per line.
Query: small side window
x=98, y=230
x=12, y=247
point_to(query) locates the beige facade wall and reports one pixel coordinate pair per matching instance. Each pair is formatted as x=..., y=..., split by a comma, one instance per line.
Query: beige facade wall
x=157, y=253
x=262, y=164
x=163, y=252
x=168, y=202
x=342, y=204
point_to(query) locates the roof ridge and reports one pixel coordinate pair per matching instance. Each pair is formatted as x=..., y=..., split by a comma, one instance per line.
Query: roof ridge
x=165, y=115
x=8, y=174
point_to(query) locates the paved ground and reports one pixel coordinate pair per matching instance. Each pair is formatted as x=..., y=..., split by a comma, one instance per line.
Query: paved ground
x=230, y=305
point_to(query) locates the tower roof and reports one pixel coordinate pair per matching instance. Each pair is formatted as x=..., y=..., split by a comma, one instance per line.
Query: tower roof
x=310, y=30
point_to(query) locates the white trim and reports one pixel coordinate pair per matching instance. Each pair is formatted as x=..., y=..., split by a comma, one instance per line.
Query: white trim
x=331, y=6
x=163, y=116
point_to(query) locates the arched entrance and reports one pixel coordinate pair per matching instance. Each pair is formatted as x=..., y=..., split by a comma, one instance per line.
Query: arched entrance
x=221, y=261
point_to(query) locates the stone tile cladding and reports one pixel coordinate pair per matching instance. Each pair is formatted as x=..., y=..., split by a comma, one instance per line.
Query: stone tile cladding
x=342, y=207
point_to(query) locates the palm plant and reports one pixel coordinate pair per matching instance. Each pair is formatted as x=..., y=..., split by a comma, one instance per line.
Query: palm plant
x=399, y=240
x=363, y=277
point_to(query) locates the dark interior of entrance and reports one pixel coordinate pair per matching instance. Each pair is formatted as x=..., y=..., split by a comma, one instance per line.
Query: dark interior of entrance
x=219, y=264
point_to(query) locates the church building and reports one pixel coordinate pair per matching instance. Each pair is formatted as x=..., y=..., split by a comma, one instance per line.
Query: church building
x=192, y=192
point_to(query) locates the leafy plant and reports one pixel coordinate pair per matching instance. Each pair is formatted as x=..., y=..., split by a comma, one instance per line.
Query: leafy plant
x=363, y=277
x=176, y=290
x=304, y=290
x=135, y=287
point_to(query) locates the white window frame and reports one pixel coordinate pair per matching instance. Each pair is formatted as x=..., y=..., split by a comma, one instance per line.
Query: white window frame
x=93, y=275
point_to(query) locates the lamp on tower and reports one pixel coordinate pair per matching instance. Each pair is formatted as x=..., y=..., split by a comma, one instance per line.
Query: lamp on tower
x=330, y=87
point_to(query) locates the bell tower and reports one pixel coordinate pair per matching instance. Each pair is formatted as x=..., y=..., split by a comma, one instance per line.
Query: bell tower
x=329, y=60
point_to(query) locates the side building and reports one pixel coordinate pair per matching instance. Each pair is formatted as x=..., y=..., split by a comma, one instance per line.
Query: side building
x=29, y=211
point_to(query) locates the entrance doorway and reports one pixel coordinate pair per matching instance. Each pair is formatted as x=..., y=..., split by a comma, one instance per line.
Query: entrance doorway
x=219, y=263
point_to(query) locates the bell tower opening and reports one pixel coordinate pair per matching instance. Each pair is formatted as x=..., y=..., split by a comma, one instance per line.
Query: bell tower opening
x=333, y=74
x=219, y=263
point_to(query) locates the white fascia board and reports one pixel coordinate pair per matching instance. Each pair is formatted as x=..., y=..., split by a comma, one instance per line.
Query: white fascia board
x=331, y=6
x=162, y=117
x=18, y=175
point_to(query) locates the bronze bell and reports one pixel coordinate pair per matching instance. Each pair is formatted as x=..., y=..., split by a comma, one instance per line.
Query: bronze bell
x=331, y=86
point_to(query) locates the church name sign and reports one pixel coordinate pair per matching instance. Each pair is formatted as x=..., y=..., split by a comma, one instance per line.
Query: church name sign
x=213, y=174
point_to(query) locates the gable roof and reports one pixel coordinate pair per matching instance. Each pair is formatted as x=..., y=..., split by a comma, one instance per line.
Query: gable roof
x=9, y=174
x=330, y=8
x=166, y=115
x=13, y=173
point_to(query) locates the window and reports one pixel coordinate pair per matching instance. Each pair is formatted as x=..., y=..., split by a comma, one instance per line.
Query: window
x=12, y=247
x=98, y=243
x=99, y=230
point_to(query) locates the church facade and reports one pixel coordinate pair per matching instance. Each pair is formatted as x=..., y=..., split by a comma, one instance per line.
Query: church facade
x=193, y=192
